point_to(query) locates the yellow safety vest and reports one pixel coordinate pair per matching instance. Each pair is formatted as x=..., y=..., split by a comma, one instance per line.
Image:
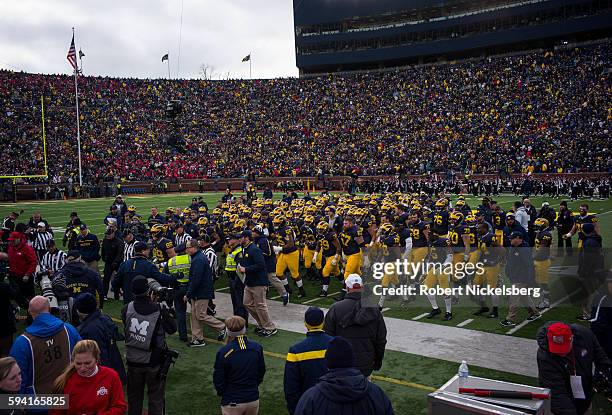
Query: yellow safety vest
x=230, y=260
x=180, y=264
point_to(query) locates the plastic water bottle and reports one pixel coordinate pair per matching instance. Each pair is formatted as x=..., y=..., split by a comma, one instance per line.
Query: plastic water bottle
x=463, y=373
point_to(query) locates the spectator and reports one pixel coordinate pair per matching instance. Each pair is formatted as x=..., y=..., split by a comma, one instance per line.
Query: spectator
x=200, y=291
x=566, y=356
x=88, y=245
x=44, y=350
x=344, y=389
x=239, y=370
x=112, y=255
x=137, y=266
x=361, y=325
x=99, y=327
x=146, y=325
x=253, y=265
x=10, y=382
x=306, y=359
x=91, y=387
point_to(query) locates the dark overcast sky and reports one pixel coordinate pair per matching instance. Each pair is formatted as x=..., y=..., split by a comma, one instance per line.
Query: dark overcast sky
x=128, y=38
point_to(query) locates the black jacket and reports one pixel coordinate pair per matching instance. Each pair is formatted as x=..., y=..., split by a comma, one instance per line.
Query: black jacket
x=255, y=266
x=363, y=327
x=344, y=391
x=7, y=318
x=144, y=306
x=112, y=253
x=601, y=324
x=102, y=329
x=554, y=371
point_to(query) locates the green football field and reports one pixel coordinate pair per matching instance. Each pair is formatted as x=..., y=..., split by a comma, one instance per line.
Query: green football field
x=405, y=377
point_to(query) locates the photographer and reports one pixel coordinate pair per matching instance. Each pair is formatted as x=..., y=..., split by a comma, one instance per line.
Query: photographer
x=146, y=324
x=139, y=265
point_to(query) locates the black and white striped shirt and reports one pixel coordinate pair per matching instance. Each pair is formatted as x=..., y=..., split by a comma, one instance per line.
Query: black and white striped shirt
x=128, y=250
x=53, y=262
x=211, y=255
x=40, y=240
x=180, y=240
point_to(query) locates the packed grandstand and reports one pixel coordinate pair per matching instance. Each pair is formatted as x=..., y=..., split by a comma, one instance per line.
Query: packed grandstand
x=540, y=111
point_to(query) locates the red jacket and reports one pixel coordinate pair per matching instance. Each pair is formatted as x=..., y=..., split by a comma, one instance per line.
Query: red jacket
x=101, y=394
x=22, y=258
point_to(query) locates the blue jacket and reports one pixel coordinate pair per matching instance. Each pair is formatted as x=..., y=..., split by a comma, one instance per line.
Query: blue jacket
x=201, y=283
x=519, y=265
x=304, y=366
x=133, y=267
x=44, y=325
x=89, y=247
x=344, y=391
x=255, y=266
x=239, y=369
x=266, y=250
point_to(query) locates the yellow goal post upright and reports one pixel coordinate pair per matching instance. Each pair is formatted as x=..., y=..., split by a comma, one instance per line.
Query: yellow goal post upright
x=32, y=176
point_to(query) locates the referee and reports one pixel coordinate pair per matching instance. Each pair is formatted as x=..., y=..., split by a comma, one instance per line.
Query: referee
x=40, y=239
x=54, y=259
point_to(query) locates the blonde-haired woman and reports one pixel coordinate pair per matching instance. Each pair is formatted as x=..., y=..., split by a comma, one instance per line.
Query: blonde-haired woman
x=239, y=369
x=92, y=389
x=10, y=382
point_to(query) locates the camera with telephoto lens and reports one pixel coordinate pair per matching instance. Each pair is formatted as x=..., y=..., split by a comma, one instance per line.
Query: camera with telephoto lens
x=47, y=288
x=170, y=356
x=162, y=295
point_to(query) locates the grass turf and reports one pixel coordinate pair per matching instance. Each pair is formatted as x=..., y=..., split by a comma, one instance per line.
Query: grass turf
x=190, y=381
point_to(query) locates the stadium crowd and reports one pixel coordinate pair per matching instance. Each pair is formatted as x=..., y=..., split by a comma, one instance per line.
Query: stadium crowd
x=158, y=265
x=534, y=112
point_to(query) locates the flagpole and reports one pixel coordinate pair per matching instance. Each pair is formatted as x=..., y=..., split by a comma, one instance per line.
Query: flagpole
x=76, y=99
x=250, y=60
x=168, y=60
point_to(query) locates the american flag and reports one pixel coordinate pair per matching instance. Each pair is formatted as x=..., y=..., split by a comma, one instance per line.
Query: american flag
x=72, y=55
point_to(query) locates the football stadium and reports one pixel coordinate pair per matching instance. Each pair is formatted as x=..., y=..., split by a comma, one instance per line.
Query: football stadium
x=350, y=206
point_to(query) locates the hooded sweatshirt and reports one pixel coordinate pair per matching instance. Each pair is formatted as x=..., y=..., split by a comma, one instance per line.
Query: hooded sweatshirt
x=344, y=391
x=44, y=326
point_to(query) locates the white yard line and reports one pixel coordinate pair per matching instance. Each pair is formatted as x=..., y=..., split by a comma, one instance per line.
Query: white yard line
x=419, y=316
x=553, y=305
x=465, y=323
x=223, y=289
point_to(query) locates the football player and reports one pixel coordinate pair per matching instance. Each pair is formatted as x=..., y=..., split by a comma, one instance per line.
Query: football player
x=163, y=248
x=582, y=218
x=541, y=259
x=353, y=247
x=438, y=274
x=309, y=241
x=287, y=255
x=491, y=253
x=328, y=246
x=389, y=242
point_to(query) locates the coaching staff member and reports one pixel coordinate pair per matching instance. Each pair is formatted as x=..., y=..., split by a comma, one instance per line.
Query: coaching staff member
x=363, y=327
x=139, y=265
